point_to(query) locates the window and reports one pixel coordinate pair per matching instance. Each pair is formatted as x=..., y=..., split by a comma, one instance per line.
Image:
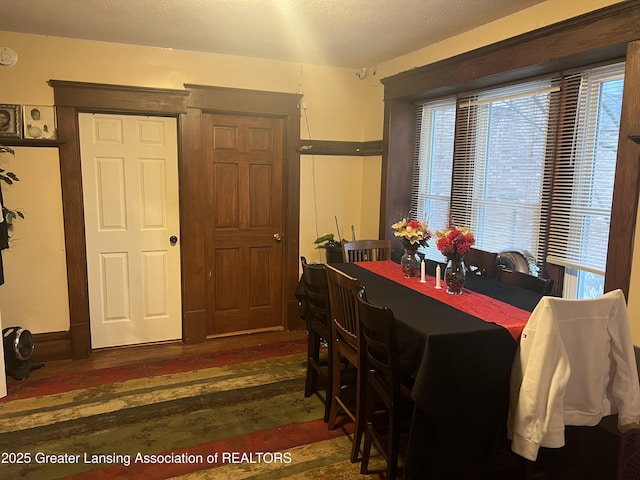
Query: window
x=432, y=181
x=583, y=190
x=501, y=165
x=528, y=167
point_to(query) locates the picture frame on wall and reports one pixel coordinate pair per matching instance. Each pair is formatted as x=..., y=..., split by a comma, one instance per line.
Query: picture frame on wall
x=39, y=122
x=10, y=121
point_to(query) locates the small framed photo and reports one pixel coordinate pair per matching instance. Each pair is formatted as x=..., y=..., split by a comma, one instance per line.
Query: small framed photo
x=10, y=121
x=39, y=122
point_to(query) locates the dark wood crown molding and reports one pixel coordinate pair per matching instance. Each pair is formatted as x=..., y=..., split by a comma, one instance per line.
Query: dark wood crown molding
x=557, y=47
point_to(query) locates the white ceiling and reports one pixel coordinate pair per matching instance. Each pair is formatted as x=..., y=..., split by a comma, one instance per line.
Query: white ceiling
x=346, y=33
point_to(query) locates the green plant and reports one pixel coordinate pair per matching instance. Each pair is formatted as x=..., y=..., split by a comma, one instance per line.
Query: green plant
x=327, y=241
x=8, y=178
x=327, y=237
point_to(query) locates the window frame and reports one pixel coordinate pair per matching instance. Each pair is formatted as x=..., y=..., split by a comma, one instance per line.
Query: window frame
x=604, y=35
x=468, y=145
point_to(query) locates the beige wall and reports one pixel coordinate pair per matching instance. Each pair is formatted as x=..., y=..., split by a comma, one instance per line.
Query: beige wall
x=338, y=107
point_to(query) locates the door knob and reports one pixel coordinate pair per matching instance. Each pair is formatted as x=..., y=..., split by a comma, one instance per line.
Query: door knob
x=277, y=237
x=173, y=240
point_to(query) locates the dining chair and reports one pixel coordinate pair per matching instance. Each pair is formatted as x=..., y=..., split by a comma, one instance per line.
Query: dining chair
x=388, y=402
x=524, y=280
x=314, y=279
x=574, y=364
x=366, y=250
x=629, y=455
x=481, y=262
x=345, y=334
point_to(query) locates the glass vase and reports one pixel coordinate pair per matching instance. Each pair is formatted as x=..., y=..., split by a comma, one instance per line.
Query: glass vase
x=454, y=276
x=410, y=263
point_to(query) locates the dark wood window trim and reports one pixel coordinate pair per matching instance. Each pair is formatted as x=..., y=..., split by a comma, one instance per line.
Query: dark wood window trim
x=599, y=36
x=72, y=98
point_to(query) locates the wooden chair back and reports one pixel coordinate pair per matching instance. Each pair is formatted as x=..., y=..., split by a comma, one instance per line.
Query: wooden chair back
x=366, y=250
x=524, y=280
x=385, y=405
x=316, y=291
x=481, y=262
x=345, y=332
x=629, y=455
x=380, y=348
x=342, y=306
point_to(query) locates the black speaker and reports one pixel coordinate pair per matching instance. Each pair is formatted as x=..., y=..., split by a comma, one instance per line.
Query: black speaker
x=18, y=347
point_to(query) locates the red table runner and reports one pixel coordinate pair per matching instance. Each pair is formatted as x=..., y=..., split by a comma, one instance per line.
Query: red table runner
x=481, y=306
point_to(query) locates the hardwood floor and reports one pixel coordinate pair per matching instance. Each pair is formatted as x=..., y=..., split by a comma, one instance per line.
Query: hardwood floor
x=116, y=356
x=569, y=463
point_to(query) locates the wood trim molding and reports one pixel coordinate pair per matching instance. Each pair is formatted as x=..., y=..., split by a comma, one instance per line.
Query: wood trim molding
x=51, y=346
x=400, y=138
x=334, y=147
x=27, y=142
x=626, y=187
x=70, y=99
x=204, y=98
x=226, y=99
x=99, y=97
x=73, y=97
x=549, y=49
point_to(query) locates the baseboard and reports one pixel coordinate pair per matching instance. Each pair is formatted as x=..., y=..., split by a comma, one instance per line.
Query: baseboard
x=57, y=345
x=51, y=346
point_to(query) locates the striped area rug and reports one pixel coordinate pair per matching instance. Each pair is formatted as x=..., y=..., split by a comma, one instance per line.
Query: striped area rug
x=238, y=414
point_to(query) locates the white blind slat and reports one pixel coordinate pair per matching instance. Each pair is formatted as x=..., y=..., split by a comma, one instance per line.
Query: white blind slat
x=491, y=158
x=583, y=192
x=502, y=160
x=433, y=166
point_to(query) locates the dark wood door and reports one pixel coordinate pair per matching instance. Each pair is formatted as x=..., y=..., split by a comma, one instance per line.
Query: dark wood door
x=244, y=229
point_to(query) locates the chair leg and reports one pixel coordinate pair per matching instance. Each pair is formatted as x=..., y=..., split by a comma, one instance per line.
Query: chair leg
x=361, y=403
x=335, y=388
x=313, y=352
x=366, y=452
x=528, y=469
x=392, y=446
x=329, y=396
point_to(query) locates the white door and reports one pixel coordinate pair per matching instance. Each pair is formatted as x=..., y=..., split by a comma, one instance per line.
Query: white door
x=130, y=190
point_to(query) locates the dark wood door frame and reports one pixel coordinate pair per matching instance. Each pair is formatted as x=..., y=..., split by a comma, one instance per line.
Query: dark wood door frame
x=193, y=218
x=72, y=98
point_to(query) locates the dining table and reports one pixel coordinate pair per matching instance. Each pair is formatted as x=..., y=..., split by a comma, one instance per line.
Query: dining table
x=458, y=351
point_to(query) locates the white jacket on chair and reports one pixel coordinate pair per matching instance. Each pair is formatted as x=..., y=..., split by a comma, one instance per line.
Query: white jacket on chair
x=574, y=365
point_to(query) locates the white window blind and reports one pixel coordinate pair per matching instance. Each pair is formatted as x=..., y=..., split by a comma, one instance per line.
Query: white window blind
x=504, y=149
x=583, y=188
x=431, y=189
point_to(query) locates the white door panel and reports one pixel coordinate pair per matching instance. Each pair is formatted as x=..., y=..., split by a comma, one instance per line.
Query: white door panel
x=130, y=190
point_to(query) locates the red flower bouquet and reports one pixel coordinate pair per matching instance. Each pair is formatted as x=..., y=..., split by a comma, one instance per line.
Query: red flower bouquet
x=454, y=242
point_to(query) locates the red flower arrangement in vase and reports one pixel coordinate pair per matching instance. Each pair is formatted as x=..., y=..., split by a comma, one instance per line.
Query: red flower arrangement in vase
x=454, y=242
